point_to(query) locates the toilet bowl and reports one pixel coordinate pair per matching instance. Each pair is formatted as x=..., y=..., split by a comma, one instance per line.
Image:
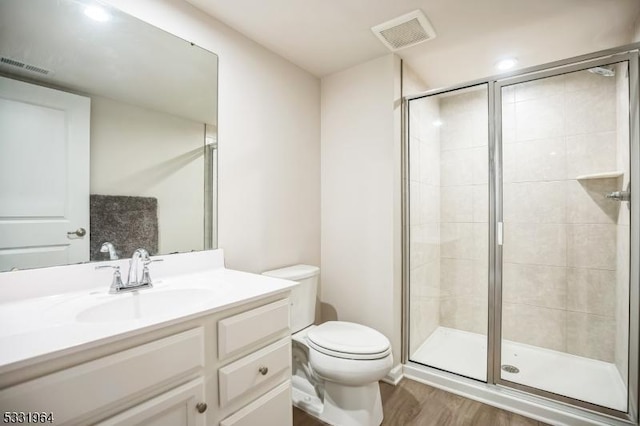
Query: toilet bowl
x=337, y=364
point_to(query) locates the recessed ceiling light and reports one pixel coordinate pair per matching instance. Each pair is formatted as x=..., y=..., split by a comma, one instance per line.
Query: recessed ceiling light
x=506, y=64
x=97, y=13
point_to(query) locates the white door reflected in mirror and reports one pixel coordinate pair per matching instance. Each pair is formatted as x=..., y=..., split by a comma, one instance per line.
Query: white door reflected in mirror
x=44, y=170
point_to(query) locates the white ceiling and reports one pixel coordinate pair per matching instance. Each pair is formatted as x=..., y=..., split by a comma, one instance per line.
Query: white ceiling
x=325, y=36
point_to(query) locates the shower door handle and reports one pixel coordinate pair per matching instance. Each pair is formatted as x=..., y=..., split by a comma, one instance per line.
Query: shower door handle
x=500, y=232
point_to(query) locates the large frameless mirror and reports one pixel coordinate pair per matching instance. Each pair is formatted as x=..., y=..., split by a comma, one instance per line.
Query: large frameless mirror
x=108, y=136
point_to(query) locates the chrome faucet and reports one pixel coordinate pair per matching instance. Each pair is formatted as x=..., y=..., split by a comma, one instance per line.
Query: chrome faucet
x=139, y=256
x=108, y=247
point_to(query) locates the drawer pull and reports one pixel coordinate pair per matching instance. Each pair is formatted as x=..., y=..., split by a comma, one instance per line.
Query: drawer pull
x=201, y=407
x=263, y=370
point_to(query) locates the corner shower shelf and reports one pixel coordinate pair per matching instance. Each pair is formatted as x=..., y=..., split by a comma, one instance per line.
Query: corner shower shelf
x=605, y=175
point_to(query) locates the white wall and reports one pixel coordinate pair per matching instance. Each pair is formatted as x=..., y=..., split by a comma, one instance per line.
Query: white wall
x=360, y=181
x=269, y=142
x=139, y=152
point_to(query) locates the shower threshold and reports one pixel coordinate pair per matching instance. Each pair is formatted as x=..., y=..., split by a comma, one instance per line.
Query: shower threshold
x=465, y=353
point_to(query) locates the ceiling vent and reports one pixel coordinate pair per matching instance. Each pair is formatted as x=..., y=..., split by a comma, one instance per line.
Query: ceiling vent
x=404, y=31
x=17, y=64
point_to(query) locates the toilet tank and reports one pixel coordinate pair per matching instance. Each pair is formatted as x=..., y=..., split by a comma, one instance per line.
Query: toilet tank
x=303, y=296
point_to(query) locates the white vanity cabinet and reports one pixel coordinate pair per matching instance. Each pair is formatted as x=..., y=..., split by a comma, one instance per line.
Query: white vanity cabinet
x=177, y=407
x=232, y=367
x=253, y=386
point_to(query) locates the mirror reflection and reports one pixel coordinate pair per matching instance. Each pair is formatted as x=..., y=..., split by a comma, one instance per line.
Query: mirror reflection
x=107, y=136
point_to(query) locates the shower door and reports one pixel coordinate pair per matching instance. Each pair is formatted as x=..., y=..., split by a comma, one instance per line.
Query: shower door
x=562, y=234
x=448, y=230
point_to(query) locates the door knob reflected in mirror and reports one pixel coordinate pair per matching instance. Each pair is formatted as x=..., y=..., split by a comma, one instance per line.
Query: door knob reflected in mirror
x=80, y=232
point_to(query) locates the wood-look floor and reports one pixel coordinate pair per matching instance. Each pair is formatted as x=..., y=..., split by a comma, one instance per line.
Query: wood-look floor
x=416, y=404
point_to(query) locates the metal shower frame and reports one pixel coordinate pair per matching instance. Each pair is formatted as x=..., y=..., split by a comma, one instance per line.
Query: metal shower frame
x=628, y=53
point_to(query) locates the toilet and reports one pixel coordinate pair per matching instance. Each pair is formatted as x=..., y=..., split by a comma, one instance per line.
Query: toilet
x=337, y=364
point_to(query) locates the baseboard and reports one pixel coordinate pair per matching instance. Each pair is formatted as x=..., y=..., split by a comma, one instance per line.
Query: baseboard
x=394, y=376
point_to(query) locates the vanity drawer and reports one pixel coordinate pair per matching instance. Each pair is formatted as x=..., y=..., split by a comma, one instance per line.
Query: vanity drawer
x=255, y=372
x=272, y=409
x=106, y=382
x=248, y=328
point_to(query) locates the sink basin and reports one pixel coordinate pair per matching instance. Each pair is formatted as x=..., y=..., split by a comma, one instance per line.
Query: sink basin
x=145, y=304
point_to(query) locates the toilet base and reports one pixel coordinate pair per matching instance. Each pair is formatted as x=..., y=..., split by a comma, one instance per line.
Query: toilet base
x=305, y=399
x=352, y=405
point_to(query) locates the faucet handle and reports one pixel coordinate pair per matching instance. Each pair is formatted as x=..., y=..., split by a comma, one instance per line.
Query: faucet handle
x=116, y=283
x=146, y=277
x=117, y=268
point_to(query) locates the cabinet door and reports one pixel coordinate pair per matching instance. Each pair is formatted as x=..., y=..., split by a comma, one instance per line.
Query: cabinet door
x=272, y=409
x=176, y=407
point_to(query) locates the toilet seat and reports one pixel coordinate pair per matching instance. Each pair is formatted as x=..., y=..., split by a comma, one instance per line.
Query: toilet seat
x=348, y=340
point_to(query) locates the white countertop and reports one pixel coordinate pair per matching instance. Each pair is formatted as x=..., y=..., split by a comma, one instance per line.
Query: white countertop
x=36, y=329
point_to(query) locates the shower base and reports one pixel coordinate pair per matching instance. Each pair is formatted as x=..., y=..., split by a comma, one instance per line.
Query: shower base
x=577, y=377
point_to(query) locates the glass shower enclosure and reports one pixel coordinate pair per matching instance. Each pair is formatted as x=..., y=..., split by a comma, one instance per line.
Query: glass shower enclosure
x=521, y=240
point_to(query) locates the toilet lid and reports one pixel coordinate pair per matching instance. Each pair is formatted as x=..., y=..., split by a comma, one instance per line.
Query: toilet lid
x=348, y=340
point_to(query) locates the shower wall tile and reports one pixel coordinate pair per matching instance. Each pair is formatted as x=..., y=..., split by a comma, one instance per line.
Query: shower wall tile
x=456, y=167
x=425, y=280
x=456, y=277
x=508, y=123
x=586, y=201
x=590, y=111
x=464, y=278
x=543, y=286
x=535, y=160
x=467, y=131
x=480, y=203
x=586, y=81
x=430, y=163
x=414, y=159
x=457, y=240
x=537, y=244
x=534, y=325
x=480, y=241
x=452, y=136
x=591, y=153
x=481, y=280
x=540, y=118
x=424, y=318
x=541, y=88
x=591, y=291
x=591, y=336
x=429, y=203
x=480, y=165
x=591, y=246
x=534, y=202
x=453, y=107
x=508, y=94
x=478, y=129
x=424, y=243
x=464, y=313
x=457, y=204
